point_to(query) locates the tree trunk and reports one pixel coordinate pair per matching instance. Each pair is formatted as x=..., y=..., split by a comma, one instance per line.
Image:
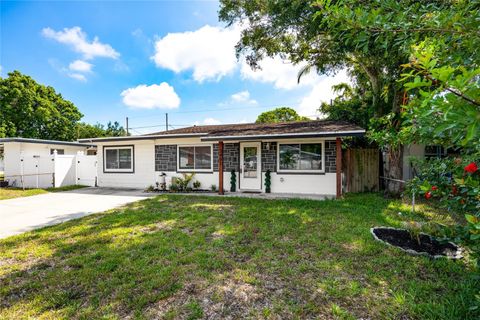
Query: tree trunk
x=394, y=171
x=375, y=83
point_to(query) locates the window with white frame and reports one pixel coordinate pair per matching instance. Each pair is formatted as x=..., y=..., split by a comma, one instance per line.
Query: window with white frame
x=118, y=159
x=300, y=157
x=195, y=158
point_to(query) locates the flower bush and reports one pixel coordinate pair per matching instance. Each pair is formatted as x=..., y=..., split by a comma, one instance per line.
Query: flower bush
x=454, y=183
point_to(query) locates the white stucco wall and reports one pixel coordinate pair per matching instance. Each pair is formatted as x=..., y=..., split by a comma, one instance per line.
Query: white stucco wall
x=144, y=166
x=303, y=183
x=32, y=154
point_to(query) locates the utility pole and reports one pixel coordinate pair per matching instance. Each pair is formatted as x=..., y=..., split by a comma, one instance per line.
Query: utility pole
x=126, y=120
x=166, y=121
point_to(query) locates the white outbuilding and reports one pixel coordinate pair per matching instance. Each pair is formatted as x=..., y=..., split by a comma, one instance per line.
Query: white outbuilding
x=36, y=163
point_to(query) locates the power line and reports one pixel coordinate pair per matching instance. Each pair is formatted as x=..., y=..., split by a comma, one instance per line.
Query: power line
x=217, y=109
x=162, y=125
x=187, y=125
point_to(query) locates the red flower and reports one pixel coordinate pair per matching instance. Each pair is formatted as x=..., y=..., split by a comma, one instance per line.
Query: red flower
x=434, y=188
x=471, y=167
x=428, y=195
x=454, y=190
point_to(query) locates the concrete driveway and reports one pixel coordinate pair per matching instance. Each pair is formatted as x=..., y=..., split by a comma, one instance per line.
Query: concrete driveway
x=23, y=214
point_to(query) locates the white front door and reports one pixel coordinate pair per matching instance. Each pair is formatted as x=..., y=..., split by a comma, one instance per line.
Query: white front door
x=250, y=166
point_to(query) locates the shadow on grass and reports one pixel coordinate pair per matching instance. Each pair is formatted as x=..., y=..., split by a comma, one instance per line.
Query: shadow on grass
x=179, y=257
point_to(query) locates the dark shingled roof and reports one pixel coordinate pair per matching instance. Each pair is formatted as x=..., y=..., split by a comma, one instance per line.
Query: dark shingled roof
x=325, y=127
x=246, y=131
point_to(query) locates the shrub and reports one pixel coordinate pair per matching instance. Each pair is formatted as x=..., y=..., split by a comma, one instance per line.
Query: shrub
x=184, y=181
x=233, y=181
x=196, y=184
x=453, y=183
x=268, y=181
x=213, y=187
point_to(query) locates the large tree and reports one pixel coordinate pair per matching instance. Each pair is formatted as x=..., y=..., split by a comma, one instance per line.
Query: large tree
x=32, y=110
x=353, y=104
x=281, y=114
x=86, y=130
x=372, y=38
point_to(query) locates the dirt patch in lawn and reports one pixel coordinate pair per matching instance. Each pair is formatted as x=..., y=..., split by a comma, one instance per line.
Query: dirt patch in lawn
x=229, y=299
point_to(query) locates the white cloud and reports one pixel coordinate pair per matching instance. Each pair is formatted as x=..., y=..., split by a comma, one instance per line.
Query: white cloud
x=137, y=32
x=211, y=121
x=121, y=66
x=242, y=97
x=78, y=76
x=77, y=39
x=80, y=66
x=321, y=92
x=209, y=52
x=207, y=122
x=160, y=96
x=282, y=74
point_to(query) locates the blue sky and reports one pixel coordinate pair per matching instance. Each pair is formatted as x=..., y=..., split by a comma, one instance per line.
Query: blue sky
x=115, y=59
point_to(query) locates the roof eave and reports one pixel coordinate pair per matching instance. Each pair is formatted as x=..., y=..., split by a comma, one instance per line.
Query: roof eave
x=39, y=141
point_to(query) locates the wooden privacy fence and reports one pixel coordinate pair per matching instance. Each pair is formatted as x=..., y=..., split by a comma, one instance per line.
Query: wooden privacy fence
x=362, y=170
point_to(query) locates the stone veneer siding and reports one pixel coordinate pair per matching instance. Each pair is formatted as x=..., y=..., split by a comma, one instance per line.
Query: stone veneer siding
x=166, y=157
x=269, y=157
x=330, y=156
x=231, y=157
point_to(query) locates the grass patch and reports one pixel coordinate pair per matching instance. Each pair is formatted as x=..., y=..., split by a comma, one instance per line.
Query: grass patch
x=10, y=193
x=65, y=188
x=193, y=257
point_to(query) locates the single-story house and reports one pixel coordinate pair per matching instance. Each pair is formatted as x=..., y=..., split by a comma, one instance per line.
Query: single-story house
x=303, y=157
x=30, y=162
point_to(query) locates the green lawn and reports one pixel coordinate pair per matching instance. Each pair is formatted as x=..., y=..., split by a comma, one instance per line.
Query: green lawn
x=9, y=193
x=194, y=257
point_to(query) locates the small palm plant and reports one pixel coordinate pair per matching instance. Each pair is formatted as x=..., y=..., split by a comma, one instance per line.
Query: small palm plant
x=185, y=181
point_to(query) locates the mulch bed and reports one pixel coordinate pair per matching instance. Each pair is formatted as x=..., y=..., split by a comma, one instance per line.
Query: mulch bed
x=189, y=191
x=424, y=245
